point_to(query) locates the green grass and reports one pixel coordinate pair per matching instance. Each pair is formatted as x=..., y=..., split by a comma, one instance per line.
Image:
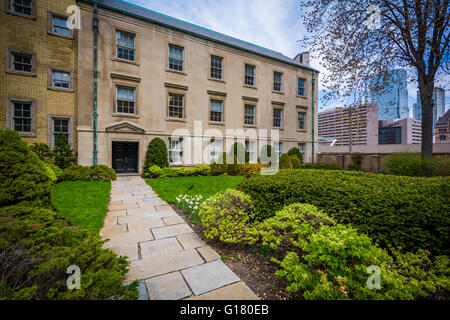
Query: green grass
x=169, y=188
x=83, y=203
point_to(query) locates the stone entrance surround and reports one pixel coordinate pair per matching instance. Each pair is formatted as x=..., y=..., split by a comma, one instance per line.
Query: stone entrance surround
x=168, y=258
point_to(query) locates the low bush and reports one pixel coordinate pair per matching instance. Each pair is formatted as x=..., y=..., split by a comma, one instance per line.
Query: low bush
x=95, y=173
x=36, y=248
x=153, y=172
x=412, y=164
x=250, y=168
x=285, y=161
x=62, y=152
x=289, y=227
x=50, y=173
x=226, y=216
x=23, y=176
x=394, y=211
x=57, y=170
x=295, y=162
x=335, y=266
x=321, y=166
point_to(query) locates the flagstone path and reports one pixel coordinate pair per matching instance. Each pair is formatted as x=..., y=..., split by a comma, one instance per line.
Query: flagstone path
x=167, y=257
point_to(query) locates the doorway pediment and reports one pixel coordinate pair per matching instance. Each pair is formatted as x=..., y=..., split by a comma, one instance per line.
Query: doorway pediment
x=125, y=127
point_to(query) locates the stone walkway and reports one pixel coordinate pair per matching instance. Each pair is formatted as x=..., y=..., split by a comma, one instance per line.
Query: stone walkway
x=167, y=257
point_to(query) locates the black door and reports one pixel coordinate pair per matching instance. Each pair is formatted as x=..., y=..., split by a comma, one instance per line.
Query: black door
x=125, y=157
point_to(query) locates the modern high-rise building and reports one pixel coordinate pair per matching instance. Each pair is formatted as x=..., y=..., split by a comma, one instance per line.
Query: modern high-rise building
x=391, y=93
x=439, y=105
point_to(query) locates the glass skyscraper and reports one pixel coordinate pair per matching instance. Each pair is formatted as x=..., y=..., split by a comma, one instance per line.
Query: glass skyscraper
x=391, y=93
x=439, y=105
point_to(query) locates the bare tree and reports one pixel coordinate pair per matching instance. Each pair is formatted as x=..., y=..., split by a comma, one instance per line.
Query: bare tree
x=358, y=40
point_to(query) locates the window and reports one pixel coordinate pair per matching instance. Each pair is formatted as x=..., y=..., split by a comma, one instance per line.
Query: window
x=301, y=117
x=61, y=79
x=216, y=67
x=216, y=111
x=21, y=117
x=176, y=106
x=249, y=114
x=251, y=150
x=126, y=45
x=60, y=126
x=277, y=81
x=22, y=7
x=249, y=75
x=175, y=58
x=175, y=151
x=216, y=149
x=302, y=148
x=277, y=118
x=126, y=100
x=278, y=146
x=301, y=87
x=21, y=62
x=59, y=26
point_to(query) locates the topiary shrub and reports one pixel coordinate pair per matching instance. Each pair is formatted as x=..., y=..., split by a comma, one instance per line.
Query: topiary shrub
x=285, y=161
x=295, y=162
x=289, y=227
x=64, y=157
x=36, y=248
x=226, y=216
x=102, y=172
x=394, y=211
x=156, y=155
x=238, y=151
x=23, y=176
x=296, y=152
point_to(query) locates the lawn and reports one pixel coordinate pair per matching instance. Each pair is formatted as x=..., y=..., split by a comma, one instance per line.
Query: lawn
x=83, y=203
x=169, y=188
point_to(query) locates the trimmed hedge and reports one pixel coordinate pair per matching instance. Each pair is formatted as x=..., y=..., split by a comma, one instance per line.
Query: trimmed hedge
x=156, y=155
x=412, y=164
x=82, y=173
x=23, y=176
x=394, y=211
x=321, y=166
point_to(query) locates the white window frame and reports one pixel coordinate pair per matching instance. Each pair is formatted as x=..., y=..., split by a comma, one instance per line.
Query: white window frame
x=250, y=148
x=298, y=120
x=177, y=61
x=176, y=151
x=302, y=149
x=169, y=106
x=54, y=132
x=218, y=70
x=133, y=48
x=134, y=100
x=280, y=83
x=211, y=111
x=215, y=149
x=280, y=118
x=250, y=115
x=278, y=146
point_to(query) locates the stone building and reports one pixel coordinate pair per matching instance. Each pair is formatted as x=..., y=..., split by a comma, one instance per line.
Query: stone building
x=38, y=70
x=442, y=129
x=162, y=77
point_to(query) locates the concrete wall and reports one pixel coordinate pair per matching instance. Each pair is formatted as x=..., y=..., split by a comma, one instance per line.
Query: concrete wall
x=373, y=156
x=153, y=81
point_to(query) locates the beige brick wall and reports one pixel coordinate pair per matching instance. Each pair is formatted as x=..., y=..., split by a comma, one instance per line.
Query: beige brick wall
x=32, y=35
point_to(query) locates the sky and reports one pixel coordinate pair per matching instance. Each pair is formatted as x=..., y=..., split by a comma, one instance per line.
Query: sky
x=273, y=24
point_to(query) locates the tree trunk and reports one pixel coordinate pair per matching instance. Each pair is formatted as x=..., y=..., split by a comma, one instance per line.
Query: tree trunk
x=427, y=103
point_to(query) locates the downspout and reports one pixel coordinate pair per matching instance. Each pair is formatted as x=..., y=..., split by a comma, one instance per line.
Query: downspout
x=313, y=81
x=94, y=113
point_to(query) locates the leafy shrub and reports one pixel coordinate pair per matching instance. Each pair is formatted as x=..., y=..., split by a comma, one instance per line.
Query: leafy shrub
x=238, y=150
x=156, y=155
x=412, y=164
x=321, y=166
x=233, y=168
x=200, y=170
x=295, y=162
x=296, y=152
x=168, y=172
x=64, y=157
x=82, y=173
x=289, y=227
x=57, y=170
x=50, y=173
x=226, y=216
x=250, y=168
x=266, y=154
x=36, y=248
x=285, y=161
x=442, y=164
x=43, y=151
x=334, y=266
x=220, y=166
x=351, y=166
x=394, y=211
x=153, y=172
x=23, y=177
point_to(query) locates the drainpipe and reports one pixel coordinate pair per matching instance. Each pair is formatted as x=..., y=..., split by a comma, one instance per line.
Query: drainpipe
x=94, y=113
x=313, y=81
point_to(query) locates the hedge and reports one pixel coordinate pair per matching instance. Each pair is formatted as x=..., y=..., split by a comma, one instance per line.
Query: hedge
x=82, y=173
x=394, y=211
x=156, y=155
